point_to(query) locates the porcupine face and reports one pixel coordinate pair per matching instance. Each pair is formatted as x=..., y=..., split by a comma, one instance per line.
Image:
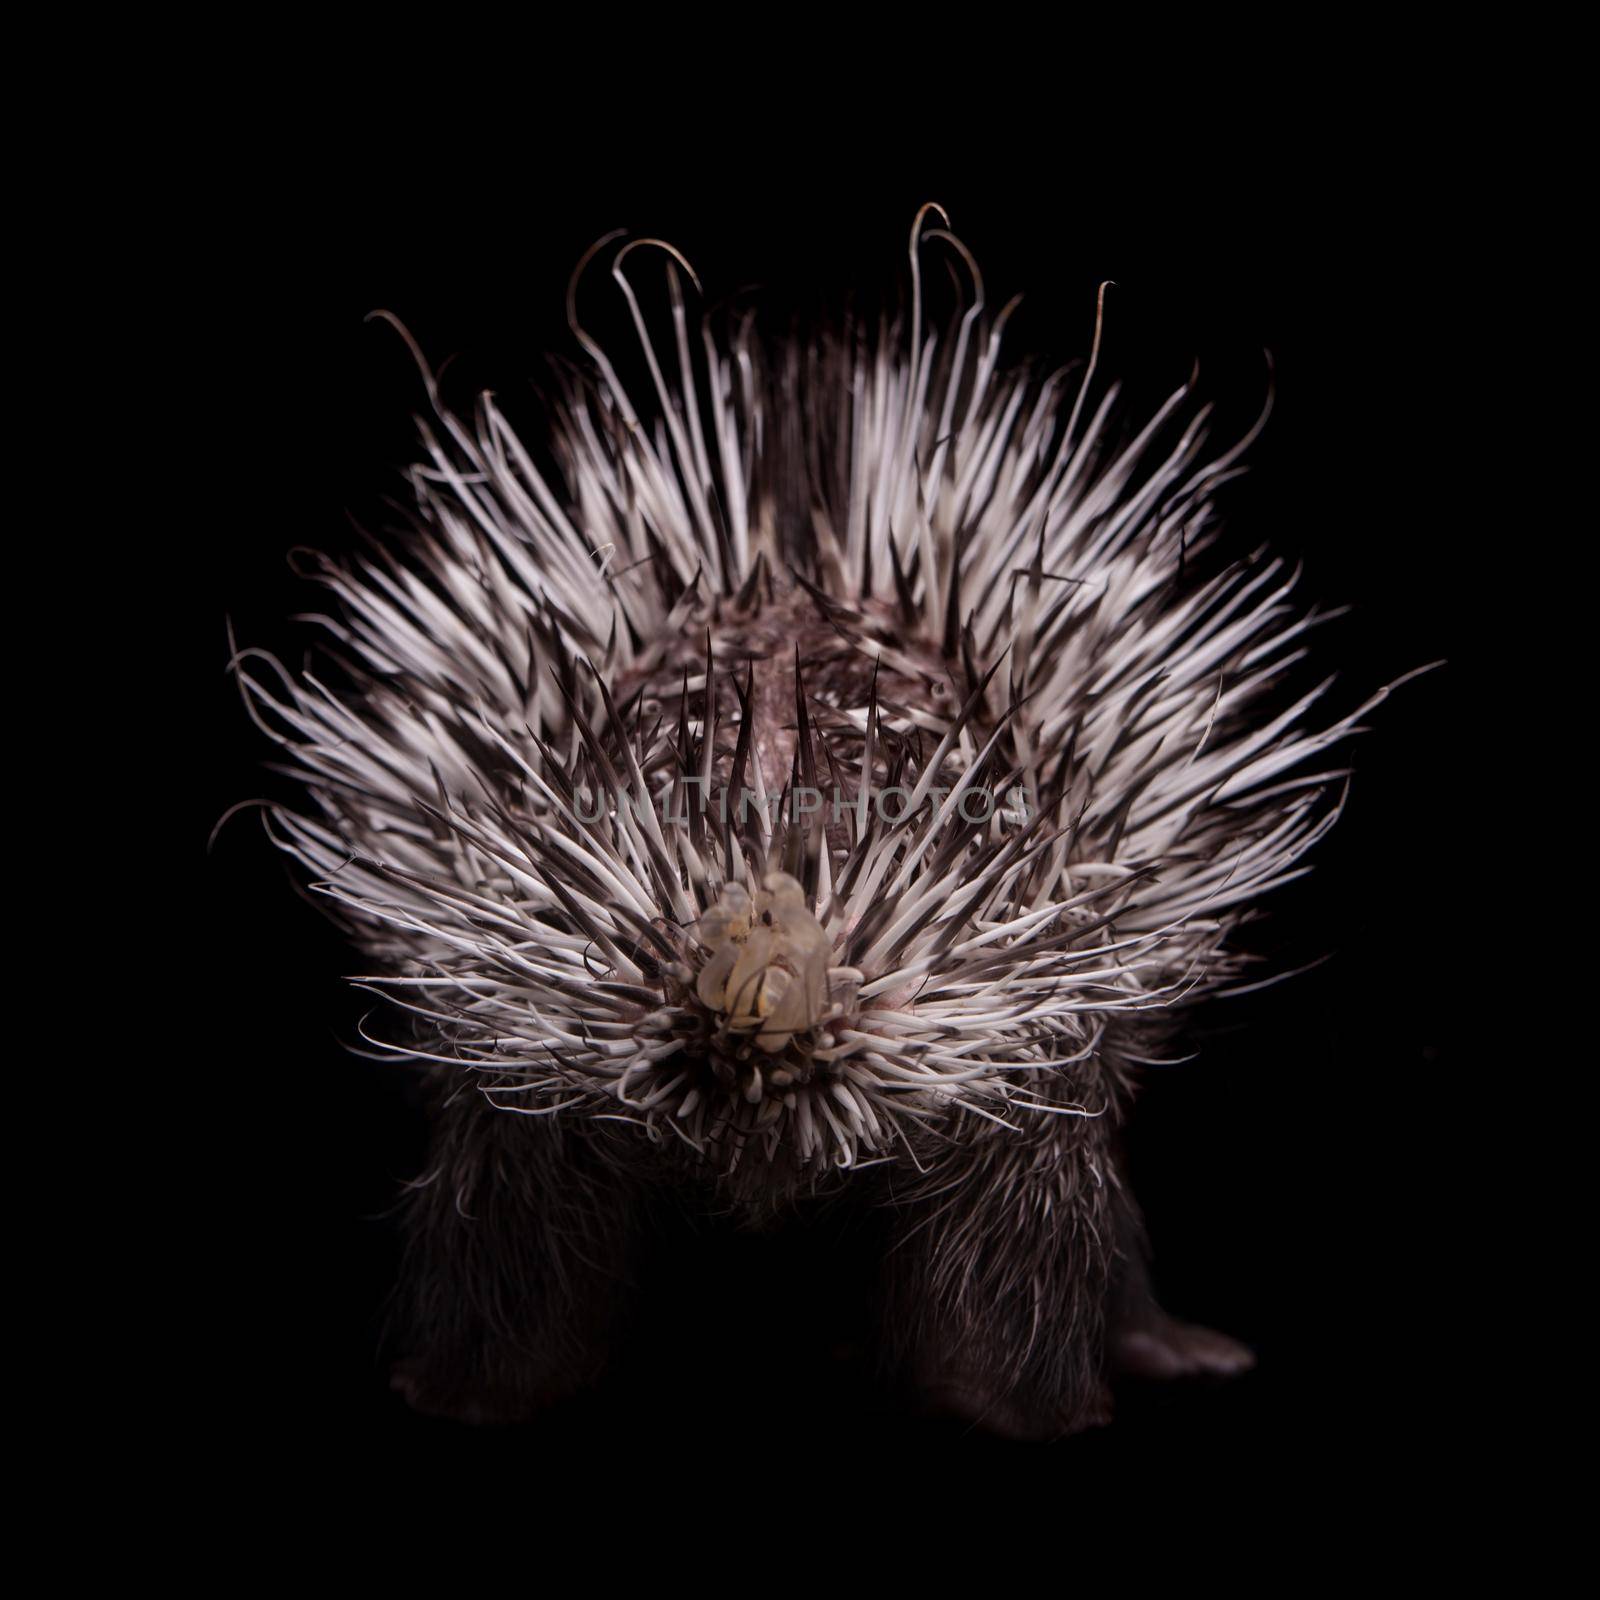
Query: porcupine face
x=845, y=737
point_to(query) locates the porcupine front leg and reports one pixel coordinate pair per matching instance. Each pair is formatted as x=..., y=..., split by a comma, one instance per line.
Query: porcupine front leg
x=515, y=1264
x=998, y=1276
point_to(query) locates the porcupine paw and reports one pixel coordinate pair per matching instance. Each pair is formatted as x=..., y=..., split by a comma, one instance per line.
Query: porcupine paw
x=1159, y=1346
x=959, y=1395
x=477, y=1401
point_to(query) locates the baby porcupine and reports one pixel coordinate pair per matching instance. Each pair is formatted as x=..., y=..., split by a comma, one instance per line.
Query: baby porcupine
x=831, y=779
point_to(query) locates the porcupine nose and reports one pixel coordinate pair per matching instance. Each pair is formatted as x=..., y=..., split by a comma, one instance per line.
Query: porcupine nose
x=767, y=969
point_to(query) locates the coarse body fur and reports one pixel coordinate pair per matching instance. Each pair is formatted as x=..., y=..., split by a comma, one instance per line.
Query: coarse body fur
x=597, y=791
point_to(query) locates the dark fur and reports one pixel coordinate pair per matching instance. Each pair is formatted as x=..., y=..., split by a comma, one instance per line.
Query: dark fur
x=1014, y=1278
x=998, y=1275
x=520, y=1243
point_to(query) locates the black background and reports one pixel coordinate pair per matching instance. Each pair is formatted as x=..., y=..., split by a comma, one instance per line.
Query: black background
x=1301, y=1178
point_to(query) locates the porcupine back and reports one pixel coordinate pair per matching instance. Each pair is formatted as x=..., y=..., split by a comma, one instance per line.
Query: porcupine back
x=845, y=745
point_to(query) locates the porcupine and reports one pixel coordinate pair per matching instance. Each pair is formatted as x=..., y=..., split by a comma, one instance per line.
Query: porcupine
x=833, y=780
